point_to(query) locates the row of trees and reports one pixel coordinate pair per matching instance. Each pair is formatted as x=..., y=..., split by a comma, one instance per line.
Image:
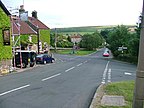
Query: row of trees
x=89, y=41
x=122, y=36
x=115, y=37
x=61, y=41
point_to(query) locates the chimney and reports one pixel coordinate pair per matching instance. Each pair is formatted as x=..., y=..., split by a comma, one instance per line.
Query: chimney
x=34, y=14
x=21, y=10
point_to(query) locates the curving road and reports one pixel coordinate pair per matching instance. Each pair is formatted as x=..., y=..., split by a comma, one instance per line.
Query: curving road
x=70, y=82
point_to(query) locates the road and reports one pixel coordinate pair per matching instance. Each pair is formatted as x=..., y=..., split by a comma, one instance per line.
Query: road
x=70, y=82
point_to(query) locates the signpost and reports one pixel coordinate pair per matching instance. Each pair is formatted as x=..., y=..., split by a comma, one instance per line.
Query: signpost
x=122, y=48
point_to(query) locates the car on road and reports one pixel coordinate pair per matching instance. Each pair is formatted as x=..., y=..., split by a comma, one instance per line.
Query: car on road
x=106, y=53
x=44, y=58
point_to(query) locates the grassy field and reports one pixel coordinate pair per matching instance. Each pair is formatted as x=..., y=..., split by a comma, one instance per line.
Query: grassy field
x=76, y=52
x=125, y=88
x=72, y=33
x=83, y=30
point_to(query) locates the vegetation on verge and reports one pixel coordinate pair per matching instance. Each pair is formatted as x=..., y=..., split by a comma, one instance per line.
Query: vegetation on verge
x=124, y=88
x=75, y=52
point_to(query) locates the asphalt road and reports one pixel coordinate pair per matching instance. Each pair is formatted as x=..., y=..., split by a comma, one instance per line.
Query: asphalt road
x=70, y=82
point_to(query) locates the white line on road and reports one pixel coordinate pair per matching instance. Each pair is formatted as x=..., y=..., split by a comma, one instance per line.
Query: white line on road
x=84, y=61
x=79, y=64
x=16, y=89
x=51, y=77
x=109, y=75
x=104, y=73
x=126, y=73
x=69, y=69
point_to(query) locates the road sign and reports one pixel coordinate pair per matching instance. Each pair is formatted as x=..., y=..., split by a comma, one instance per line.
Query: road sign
x=122, y=48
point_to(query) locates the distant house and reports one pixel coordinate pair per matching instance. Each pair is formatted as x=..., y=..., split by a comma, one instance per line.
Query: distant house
x=76, y=38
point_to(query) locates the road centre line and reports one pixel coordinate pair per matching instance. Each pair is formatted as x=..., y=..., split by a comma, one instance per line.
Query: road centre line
x=69, y=69
x=109, y=75
x=79, y=64
x=105, y=72
x=16, y=89
x=84, y=61
x=51, y=77
x=126, y=73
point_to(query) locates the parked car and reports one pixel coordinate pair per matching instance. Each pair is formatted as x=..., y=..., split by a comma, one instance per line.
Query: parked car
x=44, y=58
x=24, y=56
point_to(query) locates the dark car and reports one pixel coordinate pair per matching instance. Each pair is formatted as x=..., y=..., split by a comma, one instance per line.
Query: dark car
x=24, y=57
x=44, y=58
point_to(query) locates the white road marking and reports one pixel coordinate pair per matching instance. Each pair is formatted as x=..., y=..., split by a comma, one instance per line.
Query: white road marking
x=51, y=77
x=84, y=61
x=16, y=89
x=109, y=75
x=69, y=69
x=126, y=73
x=80, y=64
x=104, y=73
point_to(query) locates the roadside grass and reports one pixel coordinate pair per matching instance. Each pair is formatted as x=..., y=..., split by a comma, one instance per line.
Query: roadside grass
x=124, y=88
x=76, y=52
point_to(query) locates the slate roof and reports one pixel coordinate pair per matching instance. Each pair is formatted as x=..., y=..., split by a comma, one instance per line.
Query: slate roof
x=37, y=23
x=24, y=28
x=4, y=8
x=76, y=36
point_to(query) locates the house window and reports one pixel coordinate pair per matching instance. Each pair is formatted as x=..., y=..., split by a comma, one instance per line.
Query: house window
x=6, y=36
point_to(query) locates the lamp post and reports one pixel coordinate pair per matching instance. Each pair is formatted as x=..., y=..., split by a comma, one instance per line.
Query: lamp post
x=138, y=101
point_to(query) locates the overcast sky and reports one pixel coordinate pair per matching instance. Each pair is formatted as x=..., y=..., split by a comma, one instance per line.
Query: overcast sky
x=69, y=13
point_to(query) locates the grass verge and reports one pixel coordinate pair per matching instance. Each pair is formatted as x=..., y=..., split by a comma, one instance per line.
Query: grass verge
x=76, y=52
x=124, y=88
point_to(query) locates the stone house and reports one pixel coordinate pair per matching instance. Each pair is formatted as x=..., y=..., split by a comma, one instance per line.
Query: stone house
x=5, y=37
x=76, y=38
x=31, y=31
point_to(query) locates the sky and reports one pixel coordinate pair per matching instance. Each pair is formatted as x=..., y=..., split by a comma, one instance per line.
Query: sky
x=74, y=13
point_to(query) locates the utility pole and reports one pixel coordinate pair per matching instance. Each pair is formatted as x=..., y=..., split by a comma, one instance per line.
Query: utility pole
x=138, y=101
x=55, y=39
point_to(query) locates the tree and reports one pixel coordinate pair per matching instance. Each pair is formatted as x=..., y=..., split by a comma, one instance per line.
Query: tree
x=118, y=37
x=91, y=41
x=105, y=33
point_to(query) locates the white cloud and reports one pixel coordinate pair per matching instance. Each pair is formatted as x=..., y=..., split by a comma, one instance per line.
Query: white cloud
x=63, y=13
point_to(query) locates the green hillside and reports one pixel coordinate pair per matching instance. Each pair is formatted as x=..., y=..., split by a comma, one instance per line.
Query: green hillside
x=83, y=30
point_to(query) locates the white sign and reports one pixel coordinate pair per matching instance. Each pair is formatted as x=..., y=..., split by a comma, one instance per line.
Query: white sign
x=122, y=48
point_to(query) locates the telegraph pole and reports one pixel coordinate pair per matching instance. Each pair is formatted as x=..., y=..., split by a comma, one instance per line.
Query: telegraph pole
x=55, y=39
x=138, y=101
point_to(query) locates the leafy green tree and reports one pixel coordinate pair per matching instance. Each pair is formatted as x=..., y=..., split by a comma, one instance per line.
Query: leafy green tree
x=105, y=33
x=118, y=37
x=52, y=39
x=91, y=41
x=62, y=41
x=69, y=39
